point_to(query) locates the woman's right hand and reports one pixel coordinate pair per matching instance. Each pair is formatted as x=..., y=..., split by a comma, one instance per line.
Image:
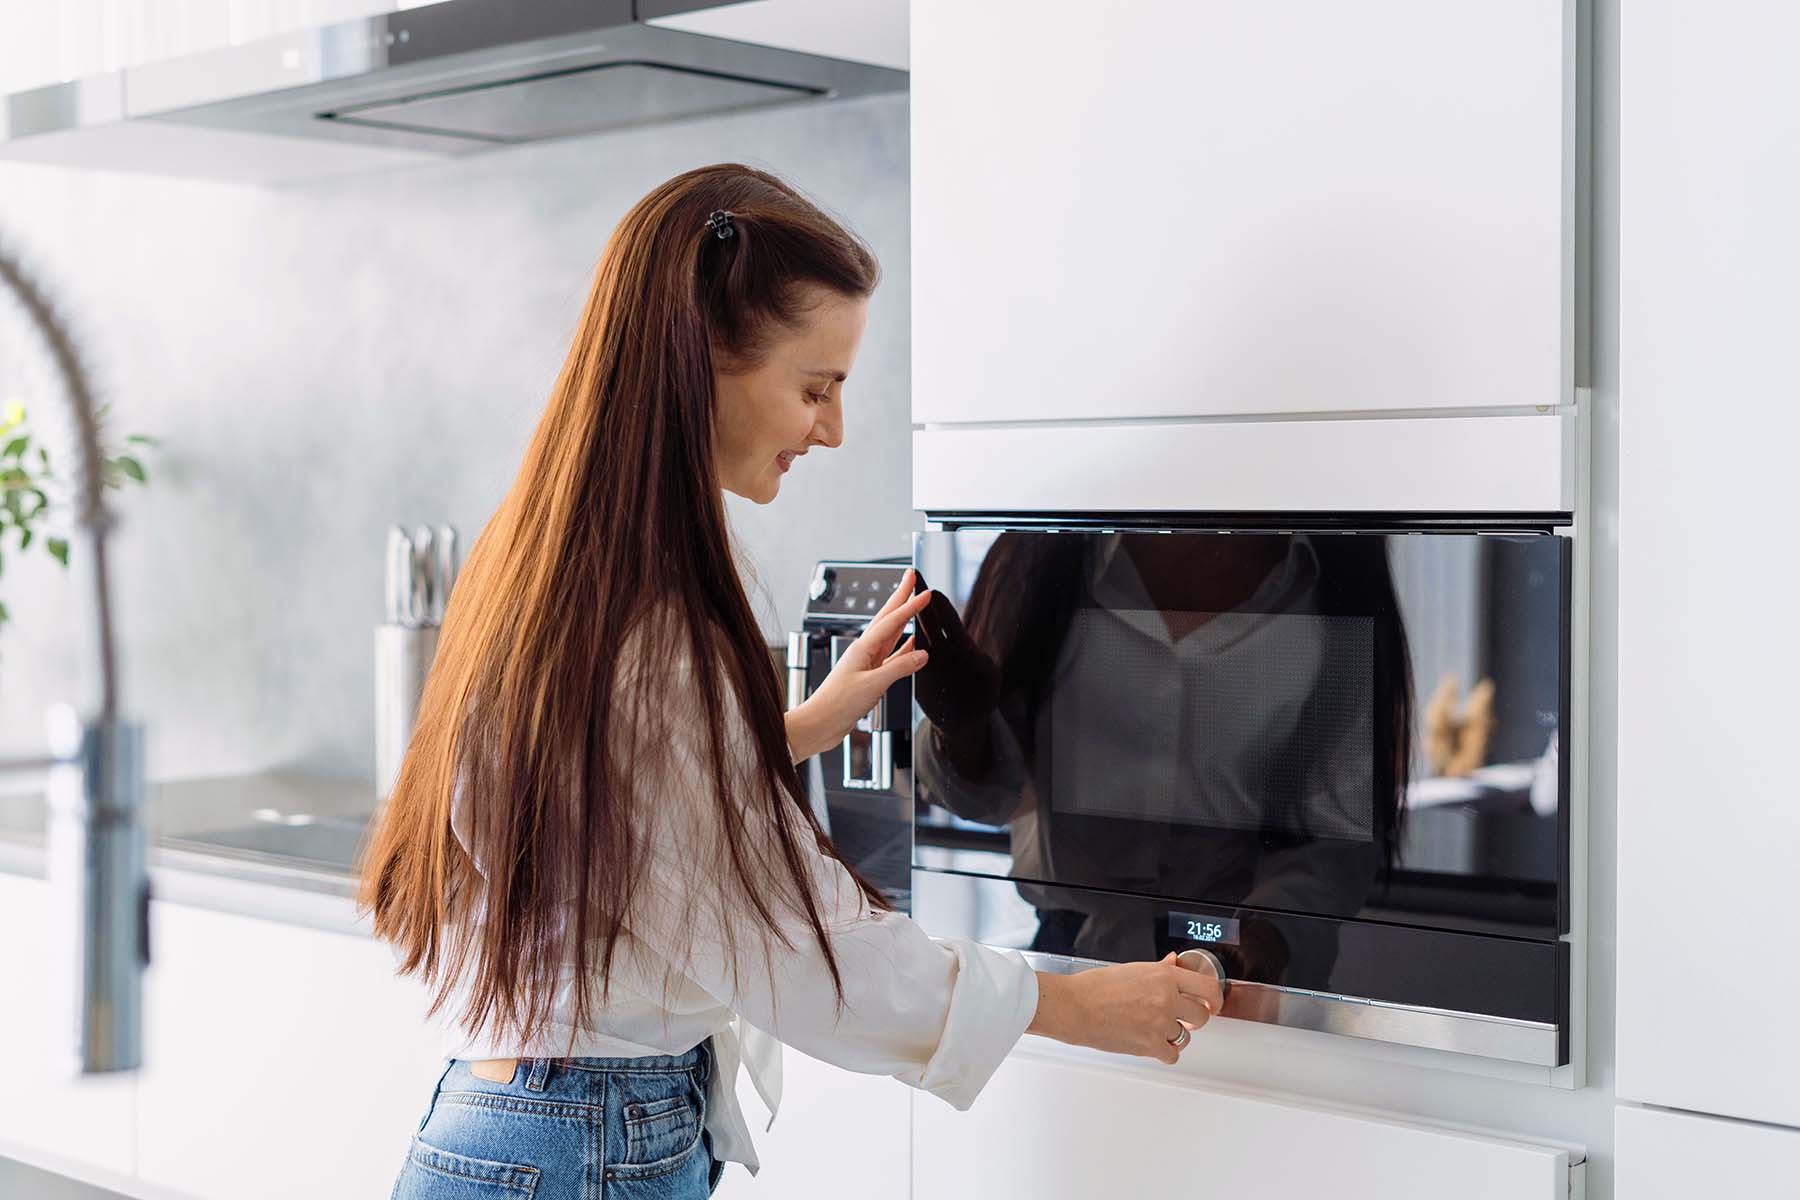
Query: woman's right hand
x=864, y=672
x=1129, y=1008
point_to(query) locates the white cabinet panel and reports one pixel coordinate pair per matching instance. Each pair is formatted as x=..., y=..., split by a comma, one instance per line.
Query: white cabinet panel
x=45, y=43
x=871, y=31
x=42, y=1107
x=1708, y=647
x=1046, y=1131
x=253, y=19
x=839, y=1134
x=1435, y=464
x=262, y=1038
x=159, y=29
x=1677, y=1156
x=1177, y=207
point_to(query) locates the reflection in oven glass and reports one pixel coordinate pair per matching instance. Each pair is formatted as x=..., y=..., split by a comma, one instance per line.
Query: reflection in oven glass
x=1233, y=718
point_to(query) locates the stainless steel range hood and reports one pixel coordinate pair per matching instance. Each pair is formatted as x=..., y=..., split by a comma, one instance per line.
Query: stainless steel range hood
x=450, y=79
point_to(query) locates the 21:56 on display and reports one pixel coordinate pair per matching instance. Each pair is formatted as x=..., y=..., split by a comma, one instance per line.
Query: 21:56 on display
x=1198, y=927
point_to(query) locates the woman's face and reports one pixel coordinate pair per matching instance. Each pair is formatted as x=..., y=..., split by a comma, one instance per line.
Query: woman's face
x=768, y=416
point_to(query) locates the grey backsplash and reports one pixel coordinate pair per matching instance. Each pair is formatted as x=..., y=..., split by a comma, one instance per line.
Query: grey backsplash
x=325, y=359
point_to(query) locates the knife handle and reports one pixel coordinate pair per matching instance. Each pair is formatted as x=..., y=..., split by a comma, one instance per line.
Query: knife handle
x=397, y=597
x=445, y=546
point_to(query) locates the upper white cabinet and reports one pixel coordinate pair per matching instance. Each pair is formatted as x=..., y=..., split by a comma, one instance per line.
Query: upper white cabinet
x=69, y=39
x=1708, y=646
x=871, y=31
x=1199, y=207
x=45, y=43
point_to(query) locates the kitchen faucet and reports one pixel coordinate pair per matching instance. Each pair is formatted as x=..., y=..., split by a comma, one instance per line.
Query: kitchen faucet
x=94, y=840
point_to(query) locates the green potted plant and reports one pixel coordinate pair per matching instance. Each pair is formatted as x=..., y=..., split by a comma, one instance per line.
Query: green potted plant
x=31, y=492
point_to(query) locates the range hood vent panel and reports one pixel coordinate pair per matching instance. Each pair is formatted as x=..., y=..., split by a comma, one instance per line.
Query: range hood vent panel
x=591, y=99
x=454, y=78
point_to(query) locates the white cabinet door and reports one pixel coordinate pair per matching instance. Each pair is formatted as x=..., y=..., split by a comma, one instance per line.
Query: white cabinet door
x=871, y=31
x=1050, y=1131
x=1708, y=644
x=839, y=1134
x=1195, y=207
x=45, y=43
x=280, y=1062
x=43, y=1109
x=159, y=29
x=1678, y=1156
x=253, y=19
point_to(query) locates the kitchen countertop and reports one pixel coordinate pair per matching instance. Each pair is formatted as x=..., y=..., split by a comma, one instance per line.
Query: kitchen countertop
x=285, y=828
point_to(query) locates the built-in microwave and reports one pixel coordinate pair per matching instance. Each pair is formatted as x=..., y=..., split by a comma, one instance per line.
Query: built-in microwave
x=1334, y=753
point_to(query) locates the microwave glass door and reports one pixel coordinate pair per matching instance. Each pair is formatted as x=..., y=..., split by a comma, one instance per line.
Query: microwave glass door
x=1152, y=736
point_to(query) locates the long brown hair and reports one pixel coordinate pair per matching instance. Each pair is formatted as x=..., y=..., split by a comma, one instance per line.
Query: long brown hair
x=614, y=523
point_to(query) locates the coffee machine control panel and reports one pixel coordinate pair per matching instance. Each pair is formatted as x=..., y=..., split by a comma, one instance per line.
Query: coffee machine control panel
x=851, y=591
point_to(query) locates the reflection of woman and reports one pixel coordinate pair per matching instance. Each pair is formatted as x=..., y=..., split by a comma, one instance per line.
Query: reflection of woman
x=1178, y=716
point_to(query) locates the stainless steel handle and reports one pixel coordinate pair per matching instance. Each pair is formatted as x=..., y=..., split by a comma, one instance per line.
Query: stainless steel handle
x=880, y=739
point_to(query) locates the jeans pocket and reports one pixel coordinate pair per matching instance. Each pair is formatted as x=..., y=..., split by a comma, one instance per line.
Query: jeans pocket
x=664, y=1116
x=433, y=1174
x=659, y=1129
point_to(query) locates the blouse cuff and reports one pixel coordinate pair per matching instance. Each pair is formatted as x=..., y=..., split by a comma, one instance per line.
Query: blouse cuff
x=993, y=1001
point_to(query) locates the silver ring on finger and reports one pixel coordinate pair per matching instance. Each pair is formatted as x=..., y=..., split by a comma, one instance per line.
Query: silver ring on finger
x=1181, y=1039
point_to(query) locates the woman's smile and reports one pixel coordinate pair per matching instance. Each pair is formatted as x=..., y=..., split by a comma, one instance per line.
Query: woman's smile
x=786, y=458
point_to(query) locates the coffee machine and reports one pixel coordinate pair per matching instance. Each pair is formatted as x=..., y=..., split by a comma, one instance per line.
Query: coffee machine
x=861, y=789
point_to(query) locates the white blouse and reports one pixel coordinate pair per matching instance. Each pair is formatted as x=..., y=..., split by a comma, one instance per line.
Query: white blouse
x=938, y=1015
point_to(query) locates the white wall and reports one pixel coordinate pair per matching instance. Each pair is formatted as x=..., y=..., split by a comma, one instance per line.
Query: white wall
x=326, y=359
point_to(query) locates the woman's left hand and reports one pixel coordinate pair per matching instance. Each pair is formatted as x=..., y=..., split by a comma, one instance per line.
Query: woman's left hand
x=863, y=674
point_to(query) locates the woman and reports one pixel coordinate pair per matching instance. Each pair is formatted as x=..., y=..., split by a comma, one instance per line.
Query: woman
x=598, y=852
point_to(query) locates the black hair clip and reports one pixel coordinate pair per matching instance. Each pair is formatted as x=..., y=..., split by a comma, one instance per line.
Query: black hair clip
x=721, y=224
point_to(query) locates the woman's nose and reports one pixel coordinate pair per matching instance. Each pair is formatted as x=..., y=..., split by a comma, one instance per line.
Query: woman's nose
x=828, y=429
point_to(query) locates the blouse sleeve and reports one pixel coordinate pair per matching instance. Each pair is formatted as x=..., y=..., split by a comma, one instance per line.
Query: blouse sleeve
x=937, y=1015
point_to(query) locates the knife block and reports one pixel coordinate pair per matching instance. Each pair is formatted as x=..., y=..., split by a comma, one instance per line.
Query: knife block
x=403, y=656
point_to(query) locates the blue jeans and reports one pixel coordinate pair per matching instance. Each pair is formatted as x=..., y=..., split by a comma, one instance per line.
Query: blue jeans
x=567, y=1129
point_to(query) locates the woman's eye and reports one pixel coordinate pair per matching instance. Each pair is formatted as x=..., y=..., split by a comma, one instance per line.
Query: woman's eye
x=819, y=397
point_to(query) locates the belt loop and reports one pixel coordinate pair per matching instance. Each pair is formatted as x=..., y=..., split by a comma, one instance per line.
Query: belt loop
x=539, y=1076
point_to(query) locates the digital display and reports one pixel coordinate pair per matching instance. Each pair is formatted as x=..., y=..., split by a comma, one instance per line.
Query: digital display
x=1201, y=927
